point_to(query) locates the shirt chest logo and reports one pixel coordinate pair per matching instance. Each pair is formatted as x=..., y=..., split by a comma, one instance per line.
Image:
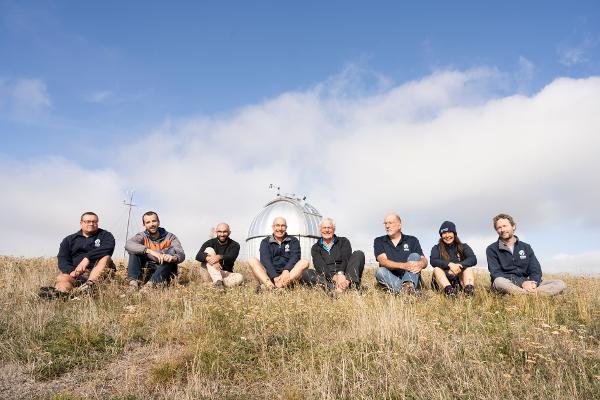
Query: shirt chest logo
x=406, y=247
x=286, y=248
x=522, y=254
x=97, y=243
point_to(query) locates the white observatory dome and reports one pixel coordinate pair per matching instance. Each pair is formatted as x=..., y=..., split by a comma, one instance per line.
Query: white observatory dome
x=302, y=219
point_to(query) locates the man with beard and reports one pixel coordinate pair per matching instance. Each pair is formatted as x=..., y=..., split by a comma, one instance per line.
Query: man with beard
x=217, y=257
x=156, y=249
x=513, y=266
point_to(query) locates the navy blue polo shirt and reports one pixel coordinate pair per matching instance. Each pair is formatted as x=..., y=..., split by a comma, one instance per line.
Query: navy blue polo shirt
x=407, y=245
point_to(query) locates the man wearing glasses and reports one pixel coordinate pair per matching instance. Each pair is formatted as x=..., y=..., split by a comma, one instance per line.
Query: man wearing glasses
x=280, y=264
x=400, y=258
x=84, y=256
x=217, y=256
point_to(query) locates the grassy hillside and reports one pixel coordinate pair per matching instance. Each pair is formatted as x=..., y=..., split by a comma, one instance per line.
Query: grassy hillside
x=190, y=342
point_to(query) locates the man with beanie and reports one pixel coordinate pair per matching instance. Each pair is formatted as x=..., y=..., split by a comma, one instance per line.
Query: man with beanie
x=156, y=249
x=513, y=266
x=452, y=261
x=400, y=258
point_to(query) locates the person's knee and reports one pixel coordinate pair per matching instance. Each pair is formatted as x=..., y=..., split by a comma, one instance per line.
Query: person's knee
x=302, y=264
x=254, y=262
x=414, y=257
x=64, y=282
x=210, y=251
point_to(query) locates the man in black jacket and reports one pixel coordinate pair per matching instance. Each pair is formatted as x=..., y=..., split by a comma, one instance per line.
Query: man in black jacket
x=84, y=256
x=217, y=256
x=336, y=266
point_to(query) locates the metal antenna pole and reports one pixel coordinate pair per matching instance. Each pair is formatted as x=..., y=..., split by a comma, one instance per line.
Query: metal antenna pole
x=130, y=205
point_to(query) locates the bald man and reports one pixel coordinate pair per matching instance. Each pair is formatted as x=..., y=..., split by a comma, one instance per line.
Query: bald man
x=280, y=264
x=217, y=257
x=400, y=258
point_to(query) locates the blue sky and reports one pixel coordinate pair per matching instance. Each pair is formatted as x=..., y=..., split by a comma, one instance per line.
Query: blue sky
x=87, y=84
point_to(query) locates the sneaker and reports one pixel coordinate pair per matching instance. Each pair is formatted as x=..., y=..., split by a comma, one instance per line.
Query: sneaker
x=89, y=288
x=409, y=289
x=469, y=290
x=450, y=291
x=264, y=288
x=219, y=285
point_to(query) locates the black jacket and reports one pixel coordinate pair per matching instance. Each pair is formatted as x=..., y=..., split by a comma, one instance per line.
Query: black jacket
x=229, y=250
x=436, y=259
x=336, y=260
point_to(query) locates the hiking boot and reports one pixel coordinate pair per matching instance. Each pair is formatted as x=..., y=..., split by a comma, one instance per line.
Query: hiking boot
x=133, y=285
x=408, y=289
x=50, y=293
x=219, y=285
x=469, y=290
x=449, y=291
x=148, y=287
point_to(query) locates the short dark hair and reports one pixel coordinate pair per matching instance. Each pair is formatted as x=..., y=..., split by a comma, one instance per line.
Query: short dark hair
x=503, y=216
x=88, y=213
x=150, y=213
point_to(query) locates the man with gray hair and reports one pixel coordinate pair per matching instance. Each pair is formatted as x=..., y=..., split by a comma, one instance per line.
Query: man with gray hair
x=513, y=266
x=400, y=258
x=217, y=257
x=337, y=268
x=280, y=264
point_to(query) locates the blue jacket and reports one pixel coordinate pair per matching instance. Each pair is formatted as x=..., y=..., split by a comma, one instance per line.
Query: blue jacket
x=407, y=245
x=436, y=260
x=76, y=247
x=519, y=266
x=276, y=257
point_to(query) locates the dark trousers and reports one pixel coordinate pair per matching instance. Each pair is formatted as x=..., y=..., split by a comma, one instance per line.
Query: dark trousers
x=354, y=271
x=160, y=272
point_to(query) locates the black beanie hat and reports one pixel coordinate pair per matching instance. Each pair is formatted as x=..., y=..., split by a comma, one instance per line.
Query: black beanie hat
x=447, y=226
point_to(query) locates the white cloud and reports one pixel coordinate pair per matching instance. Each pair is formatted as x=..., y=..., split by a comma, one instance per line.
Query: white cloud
x=23, y=95
x=443, y=147
x=578, y=264
x=99, y=96
x=31, y=93
x=570, y=54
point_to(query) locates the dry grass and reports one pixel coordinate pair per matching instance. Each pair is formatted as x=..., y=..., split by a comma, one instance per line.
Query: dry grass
x=190, y=342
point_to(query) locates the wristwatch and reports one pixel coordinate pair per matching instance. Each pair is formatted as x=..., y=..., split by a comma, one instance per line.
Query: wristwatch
x=340, y=273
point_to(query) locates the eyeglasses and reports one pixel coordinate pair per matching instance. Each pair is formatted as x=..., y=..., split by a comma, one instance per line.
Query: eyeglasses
x=89, y=222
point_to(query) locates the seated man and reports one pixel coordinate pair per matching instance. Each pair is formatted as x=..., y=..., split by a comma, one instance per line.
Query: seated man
x=513, y=267
x=156, y=249
x=82, y=258
x=336, y=266
x=217, y=256
x=400, y=258
x=280, y=265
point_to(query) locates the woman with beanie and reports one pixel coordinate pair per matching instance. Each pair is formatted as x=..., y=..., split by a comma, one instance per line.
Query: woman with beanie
x=451, y=260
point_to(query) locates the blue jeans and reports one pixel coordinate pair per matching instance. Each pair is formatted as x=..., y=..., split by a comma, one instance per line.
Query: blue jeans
x=393, y=282
x=160, y=272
